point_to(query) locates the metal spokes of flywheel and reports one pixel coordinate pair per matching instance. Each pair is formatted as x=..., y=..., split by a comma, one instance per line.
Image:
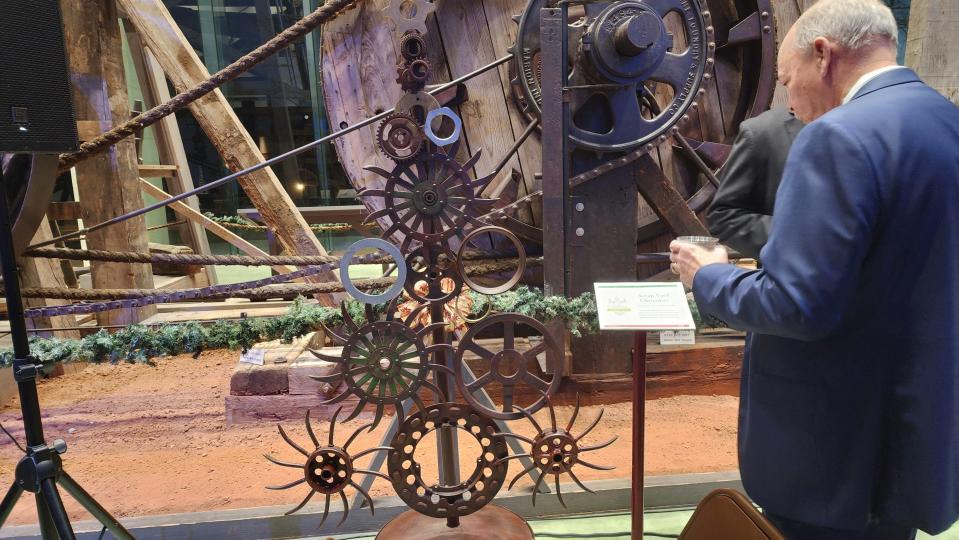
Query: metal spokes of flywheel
x=383, y=362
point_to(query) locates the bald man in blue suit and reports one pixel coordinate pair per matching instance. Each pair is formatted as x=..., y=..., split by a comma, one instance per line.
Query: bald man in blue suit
x=849, y=419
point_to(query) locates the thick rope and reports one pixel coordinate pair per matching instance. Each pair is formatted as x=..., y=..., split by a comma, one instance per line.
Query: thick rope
x=270, y=291
x=194, y=259
x=179, y=258
x=322, y=14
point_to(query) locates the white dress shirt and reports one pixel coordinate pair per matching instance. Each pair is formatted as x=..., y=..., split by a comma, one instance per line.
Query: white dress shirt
x=864, y=80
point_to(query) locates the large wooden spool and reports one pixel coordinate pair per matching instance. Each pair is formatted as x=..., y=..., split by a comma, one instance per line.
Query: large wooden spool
x=359, y=77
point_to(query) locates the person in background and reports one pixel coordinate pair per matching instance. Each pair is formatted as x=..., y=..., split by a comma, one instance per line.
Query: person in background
x=849, y=405
x=741, y=212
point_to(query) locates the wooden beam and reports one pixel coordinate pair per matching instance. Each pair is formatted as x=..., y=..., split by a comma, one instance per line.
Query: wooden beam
x=64, y=211
x=39, y=272
x=213, y=112
x=931, y=50
x=169, y=144
x=196, y=217
x=108, y=181
x=159, y=171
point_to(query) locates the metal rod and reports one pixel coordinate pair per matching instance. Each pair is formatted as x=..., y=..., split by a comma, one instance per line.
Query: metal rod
x=691, y=153
x=10, y=501
x=51, y=497
x=26, y=386
x=519, y=142
x=92, y=506
x=484, y=399
x=263, y=165
x=639, y=432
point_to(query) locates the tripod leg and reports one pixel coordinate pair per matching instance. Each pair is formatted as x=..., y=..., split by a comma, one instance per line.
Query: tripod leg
x=92, y=506
x=9, y=501
x=51, y=496
x=48, y=531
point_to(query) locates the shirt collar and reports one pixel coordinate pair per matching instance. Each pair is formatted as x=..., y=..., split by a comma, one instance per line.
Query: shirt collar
x=864, y=80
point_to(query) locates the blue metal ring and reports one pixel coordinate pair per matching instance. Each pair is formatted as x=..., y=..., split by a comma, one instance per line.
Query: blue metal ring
x=381, y=245
x=457, y=126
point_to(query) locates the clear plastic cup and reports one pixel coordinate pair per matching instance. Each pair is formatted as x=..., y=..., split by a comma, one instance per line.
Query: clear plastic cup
x=705, y=242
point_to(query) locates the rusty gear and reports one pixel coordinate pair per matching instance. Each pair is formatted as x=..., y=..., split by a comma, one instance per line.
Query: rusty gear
x=413, y=46
x=556, y=450
x=509, y=367
x=409, y=15
x=412, y=76
x=383, y=362
x=430, y=199
x=442, y=501
x=400, y=137
x=329, y=469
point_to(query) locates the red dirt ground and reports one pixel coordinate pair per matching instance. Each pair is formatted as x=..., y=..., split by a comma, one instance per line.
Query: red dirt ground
x=153, y=439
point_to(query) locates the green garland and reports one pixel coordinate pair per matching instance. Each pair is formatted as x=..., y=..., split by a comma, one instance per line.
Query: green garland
x=235, y=221
x=138, y=343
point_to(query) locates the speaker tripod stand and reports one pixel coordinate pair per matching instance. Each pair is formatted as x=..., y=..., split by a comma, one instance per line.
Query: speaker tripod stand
x=40, y=470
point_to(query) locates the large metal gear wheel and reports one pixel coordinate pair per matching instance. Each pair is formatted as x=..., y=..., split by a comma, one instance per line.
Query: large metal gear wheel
x=622, y=49
x=431, y=199
x=439, y=501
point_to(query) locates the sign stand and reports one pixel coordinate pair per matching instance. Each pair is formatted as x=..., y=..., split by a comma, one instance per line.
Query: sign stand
x=639, y=308
x=639, y=432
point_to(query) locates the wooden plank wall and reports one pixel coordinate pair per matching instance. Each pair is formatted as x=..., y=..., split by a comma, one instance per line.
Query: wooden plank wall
x=931, y=49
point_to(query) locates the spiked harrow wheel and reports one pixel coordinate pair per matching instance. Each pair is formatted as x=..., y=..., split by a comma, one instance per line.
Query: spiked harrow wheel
x=430, y=199
x=556, y=450
x=383, y=362
x=328, y=469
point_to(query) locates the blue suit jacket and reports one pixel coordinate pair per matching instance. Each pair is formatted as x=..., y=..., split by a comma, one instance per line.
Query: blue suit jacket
x=850, y=393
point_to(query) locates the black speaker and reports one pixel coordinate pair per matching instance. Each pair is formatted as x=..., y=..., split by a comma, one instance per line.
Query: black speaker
x=36, y=108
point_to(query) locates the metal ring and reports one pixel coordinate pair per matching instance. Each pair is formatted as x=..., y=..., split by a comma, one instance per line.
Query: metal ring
x=466, y=319
x=520, y=269
x=457, y=126
x=381, y=245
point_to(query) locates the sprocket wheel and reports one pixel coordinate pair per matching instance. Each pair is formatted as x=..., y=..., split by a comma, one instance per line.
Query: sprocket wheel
x=431, y=199
x=400, y=137
x=622, y=49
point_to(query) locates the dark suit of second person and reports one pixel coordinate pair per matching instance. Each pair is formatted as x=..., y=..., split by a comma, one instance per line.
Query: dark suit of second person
x=742, y=211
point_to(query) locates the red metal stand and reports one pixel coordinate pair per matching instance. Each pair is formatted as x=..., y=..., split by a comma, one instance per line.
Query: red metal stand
x=639, y=431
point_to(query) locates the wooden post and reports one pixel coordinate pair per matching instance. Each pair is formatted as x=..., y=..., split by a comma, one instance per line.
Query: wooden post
x=931, y=50
x=213, y=112
x=107, y=182
x=38, y=272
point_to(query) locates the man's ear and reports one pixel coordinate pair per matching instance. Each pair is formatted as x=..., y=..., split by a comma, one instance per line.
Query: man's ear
x=822, y=54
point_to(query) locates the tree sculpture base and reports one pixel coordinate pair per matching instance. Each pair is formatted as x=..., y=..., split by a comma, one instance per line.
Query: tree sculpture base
x=490, y=522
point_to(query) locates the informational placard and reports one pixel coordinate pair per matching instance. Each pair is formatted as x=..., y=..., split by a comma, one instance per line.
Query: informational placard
x=643, y=306
x=253, y=356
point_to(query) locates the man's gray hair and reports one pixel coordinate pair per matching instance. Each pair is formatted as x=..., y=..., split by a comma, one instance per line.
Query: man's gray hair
x=853, y=23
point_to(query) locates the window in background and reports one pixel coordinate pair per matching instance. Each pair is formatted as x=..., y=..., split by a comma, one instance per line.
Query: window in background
x=279, y=101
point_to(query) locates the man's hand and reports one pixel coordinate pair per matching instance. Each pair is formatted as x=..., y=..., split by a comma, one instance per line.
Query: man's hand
x=687, y=259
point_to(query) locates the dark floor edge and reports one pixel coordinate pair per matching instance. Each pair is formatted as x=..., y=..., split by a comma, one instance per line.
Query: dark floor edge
x=666, y=491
